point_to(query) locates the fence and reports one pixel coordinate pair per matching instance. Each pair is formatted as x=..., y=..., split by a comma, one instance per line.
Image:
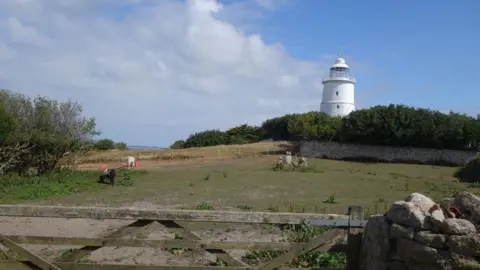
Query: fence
x=351, y=224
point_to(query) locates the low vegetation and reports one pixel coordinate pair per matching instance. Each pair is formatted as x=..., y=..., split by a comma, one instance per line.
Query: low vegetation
x=16, y=188
x=470, y=173
x=395, y=125
x=108, y=144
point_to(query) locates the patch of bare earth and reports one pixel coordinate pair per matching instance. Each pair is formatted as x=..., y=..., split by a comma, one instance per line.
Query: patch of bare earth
x=153, y=164
x=133, y=255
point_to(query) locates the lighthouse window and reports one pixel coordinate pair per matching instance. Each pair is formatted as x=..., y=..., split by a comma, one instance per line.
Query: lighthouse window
x=338, y=106
x=336, y=93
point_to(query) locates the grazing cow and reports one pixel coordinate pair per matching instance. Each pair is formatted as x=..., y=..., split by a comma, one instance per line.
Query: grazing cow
x=108, y=176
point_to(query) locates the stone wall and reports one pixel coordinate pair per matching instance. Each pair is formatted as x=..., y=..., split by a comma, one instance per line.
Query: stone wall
x=344, y=151
x=419, y=234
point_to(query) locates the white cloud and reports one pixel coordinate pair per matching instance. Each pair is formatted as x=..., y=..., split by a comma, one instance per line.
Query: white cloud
x=152, y=71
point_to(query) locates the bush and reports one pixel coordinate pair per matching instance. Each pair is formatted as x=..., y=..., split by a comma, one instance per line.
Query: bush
x=180, y=144
x=104, y=144
x=470, y=173
x=207, y=138
x=394, y=125
x=121, y=146
x=245, y=134
x=38, y=133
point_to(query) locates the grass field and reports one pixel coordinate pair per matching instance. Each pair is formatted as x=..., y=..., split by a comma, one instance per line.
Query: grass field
x=210, y=181
x=250, y=183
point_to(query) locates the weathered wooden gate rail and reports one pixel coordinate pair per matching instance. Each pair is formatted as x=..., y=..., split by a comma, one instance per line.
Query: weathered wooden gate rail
x=351, y=224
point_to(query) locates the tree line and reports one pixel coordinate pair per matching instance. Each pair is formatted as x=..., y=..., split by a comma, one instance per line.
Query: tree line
x=39, y=133
x=392, y=125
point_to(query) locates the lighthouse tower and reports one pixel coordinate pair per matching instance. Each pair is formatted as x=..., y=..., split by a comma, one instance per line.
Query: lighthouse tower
x=338, y=97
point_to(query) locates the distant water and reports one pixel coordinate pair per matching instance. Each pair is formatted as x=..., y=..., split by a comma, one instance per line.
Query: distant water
x=143, y=147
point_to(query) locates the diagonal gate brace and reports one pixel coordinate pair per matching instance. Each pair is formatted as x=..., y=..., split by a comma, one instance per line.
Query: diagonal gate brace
x=30, y=256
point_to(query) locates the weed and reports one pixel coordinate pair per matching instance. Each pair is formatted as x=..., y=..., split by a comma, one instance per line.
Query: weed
x=474, y=185
x=7, y=255
x=301, y=234
x=204, y=206
x=272, y=208
x=331, y=200
x=280, y=167
x=126, y=176
x=221, y=263
x=245, y=207
x=177, y=250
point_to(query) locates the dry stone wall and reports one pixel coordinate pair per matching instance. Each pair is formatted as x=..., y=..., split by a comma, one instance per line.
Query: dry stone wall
x=419, y=234
x=344, y=151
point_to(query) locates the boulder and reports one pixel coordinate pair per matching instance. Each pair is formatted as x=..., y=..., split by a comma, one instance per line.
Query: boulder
x=399, y=231
x=431, y=239
x=414, y=254
x=375, y=244
x=465, y=245
x=457, y=226
x=437, y=218
x=410, y=251
x=408, y=214
x=469, y=205
x=445, y=203
x=421, y=201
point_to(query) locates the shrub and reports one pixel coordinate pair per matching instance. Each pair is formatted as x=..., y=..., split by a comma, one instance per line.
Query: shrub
x=179, y=144
x=104, y=144
x=395, y=125
x=39, y=132
x=121, y=146
x=470, y=173
x=207, y=138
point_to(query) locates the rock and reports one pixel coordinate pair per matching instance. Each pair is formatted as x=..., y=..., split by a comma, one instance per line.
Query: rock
x=466, y=245
x=421, y=201
x=469, y=205
x=375, y=244
x=457, y=226
x=413, y=253
x=462, y=263
x=446, y=202
x=437, y=218
x=398, y=231
x=396, y=266
x=431, y=239
x=407, y=214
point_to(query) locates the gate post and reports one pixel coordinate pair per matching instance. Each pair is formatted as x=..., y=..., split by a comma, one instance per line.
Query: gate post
x=354, y=238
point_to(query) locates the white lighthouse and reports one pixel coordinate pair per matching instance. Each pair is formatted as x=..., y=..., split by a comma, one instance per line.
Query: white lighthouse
x=338, y=97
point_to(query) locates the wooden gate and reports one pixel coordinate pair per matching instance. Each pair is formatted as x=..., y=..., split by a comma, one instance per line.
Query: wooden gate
x=351, y=224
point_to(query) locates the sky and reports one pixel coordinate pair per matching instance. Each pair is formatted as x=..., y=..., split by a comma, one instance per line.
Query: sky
x=154, y=71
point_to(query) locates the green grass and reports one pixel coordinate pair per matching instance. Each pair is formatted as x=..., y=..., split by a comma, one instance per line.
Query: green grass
x=326, y=187
x=14, y=188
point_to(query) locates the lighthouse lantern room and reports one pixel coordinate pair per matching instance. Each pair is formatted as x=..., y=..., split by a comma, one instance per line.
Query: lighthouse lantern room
x=338, y=97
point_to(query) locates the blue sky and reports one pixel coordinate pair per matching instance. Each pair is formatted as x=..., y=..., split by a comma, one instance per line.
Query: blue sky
x=173, y=67
x=420, y=53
